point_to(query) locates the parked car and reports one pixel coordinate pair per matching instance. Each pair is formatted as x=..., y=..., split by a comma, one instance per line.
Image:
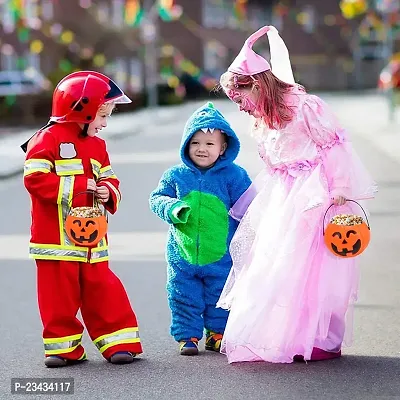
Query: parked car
x=26, y=82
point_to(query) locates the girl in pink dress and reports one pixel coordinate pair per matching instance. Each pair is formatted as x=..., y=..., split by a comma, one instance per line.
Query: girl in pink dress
x=289, y=297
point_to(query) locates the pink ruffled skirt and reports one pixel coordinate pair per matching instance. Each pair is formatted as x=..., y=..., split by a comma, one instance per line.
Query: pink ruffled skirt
x=286, y=292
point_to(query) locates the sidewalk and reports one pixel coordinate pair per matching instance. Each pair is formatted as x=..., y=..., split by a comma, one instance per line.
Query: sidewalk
x=125, y=124
x=362, y=114
x=367, y=115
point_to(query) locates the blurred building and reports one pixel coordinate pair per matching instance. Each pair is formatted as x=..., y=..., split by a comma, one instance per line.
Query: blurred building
x=328, y=52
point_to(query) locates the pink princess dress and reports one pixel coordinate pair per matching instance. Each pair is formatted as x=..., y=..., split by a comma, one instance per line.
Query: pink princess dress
x=286, y=293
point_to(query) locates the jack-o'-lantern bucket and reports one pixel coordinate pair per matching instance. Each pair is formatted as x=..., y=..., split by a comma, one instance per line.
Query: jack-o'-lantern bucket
x=86, y=226
x=347, y=235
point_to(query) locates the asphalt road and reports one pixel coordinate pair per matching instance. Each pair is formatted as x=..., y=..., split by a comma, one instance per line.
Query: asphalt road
x=368, y=370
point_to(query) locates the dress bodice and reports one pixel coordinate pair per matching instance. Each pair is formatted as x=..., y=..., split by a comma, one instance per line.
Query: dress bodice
x=298, y=144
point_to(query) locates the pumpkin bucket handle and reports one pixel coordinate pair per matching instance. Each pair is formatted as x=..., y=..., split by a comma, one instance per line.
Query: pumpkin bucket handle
x=365, y=214
x=95, y=201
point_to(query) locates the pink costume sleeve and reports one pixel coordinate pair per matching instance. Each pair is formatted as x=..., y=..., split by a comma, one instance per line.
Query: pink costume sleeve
x=344, y=170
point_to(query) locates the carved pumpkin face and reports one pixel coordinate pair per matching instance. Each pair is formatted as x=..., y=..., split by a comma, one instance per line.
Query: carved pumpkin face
x=347, y=240
x=85, y=231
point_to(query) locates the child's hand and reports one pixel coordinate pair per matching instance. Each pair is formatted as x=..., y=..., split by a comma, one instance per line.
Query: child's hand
x=183, y=213
x=180, y=212
x=91, y=185
x=339, y=200
x=103, y=193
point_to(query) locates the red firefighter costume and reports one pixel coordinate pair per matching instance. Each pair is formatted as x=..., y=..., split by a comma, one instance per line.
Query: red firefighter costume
x=59, y=162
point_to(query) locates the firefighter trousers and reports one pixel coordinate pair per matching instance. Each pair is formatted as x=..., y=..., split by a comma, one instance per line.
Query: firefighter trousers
x=63, y=288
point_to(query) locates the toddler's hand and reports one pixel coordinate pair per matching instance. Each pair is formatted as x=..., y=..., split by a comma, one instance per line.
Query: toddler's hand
x=91, y=185
x=180, y=212
x=103, y=193
x=339, y=200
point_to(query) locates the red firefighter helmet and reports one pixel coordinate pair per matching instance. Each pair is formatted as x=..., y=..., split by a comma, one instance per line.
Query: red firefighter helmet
x=79, y=95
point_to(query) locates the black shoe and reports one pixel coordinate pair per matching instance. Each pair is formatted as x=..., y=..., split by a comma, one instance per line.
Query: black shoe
x=122, y=357
x=58, y=362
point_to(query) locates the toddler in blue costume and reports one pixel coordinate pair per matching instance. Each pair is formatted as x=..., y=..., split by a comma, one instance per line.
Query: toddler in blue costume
x=194, y=197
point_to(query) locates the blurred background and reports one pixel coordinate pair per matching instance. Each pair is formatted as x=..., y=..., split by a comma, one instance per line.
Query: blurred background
x=164, y=52
x=168, y=55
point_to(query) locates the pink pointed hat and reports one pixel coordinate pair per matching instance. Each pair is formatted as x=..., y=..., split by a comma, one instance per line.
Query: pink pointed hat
x=248, y=62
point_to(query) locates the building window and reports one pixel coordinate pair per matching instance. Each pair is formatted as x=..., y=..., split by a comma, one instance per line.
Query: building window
x=215, y=57
x=216, y=14
x=121, y=73
x=34, y=61
x=307, y=19
x=118, y=13
x=103, y=12
x=136, y=81
x=8, y=58
x=259, y=16
x=47, y=10
x=30, y=10
x=47, y=64
x=277, y=21
x=7, y=18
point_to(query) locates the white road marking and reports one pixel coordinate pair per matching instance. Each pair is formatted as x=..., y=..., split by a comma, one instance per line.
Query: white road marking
x=124, y=246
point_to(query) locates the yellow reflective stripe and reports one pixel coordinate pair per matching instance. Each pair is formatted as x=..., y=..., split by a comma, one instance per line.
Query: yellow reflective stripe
x=96, y=166
x=115, y=342
x=56, y=246
x=73, y=166
x=64, y=198
x=58, y=258
x=99, y=253
x=61, y=345
x=102, y=247
x=63, y=339
x=33, y=170
x=65, y=172
x=95, y=162
x=107, y=172
x=59, y=209
x=53, y=349
x=115, y=190
x=38, y=160
x=57, y=252
x=134, y=330
x=37, y=165
x=69, y=161
x=97, y=260
x=67, y=253
x=127, y=335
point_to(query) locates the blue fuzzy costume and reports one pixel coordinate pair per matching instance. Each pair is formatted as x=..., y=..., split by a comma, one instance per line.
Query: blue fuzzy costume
x=195, y=202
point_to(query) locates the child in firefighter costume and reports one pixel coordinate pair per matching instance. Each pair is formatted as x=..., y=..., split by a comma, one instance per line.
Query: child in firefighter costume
x=64, y=159
x=194, y=198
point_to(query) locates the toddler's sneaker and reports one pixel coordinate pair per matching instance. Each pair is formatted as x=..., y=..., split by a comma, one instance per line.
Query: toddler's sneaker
x=189, y=347
x=213, y=341
x=122, y=357
x=58, y=361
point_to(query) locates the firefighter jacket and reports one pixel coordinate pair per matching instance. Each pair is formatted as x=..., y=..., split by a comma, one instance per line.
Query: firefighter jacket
x=58, y=164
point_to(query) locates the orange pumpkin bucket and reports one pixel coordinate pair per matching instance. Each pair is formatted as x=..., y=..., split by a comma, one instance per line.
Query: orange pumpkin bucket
x=347, y=235
x=86, y=226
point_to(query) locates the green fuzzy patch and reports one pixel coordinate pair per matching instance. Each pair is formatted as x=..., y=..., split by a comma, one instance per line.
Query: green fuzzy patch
x=203, y=239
